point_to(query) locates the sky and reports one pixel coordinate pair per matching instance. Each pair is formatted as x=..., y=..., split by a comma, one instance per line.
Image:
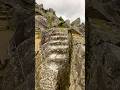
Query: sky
x=68, y=9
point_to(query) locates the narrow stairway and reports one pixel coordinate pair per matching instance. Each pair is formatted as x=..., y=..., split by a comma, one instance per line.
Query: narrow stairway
x=55, y=67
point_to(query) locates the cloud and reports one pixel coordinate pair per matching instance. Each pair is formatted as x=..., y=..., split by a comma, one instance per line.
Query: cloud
x=68, y=9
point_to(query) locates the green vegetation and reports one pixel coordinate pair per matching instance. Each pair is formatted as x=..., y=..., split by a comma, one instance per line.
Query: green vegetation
x=61, y=24
x=61, y=19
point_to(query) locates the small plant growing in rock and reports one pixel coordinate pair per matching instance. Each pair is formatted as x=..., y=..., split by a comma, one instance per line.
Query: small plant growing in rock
x=61, y=19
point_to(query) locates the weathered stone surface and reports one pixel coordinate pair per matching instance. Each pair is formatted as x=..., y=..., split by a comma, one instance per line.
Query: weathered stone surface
x=76, y=23
x=77, y=75
x=41, y=6
x=55, y=63
x=17, y=72
x=51, y=10
x=40, y=23
x=58, y=65
x=102, y=61
x=67, y=24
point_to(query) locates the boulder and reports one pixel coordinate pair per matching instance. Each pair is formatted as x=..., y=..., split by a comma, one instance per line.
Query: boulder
x=76, y=22
x=51, y=10
x=67, y=23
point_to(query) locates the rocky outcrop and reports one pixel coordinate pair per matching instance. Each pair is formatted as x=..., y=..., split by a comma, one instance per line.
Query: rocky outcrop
x=103, y=37
x=32, y=46
x=76, y=23
x=60, y=57
x=53, y=20
x=17, y=67
x=77, y=76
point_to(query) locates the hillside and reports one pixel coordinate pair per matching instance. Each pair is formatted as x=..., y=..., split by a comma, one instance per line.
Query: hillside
x=41, y=49
x=53, y=36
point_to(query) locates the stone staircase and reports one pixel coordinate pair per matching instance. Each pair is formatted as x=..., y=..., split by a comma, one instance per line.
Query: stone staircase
x=56, y=61
x=59, y=64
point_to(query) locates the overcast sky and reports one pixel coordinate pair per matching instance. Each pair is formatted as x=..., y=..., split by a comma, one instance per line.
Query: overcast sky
x=68, y=9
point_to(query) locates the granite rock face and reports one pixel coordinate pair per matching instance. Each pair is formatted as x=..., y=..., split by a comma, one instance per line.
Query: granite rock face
x=17, y=68
x=60, y=56
x=102, y=61
x=76, y=22
x=29, y=44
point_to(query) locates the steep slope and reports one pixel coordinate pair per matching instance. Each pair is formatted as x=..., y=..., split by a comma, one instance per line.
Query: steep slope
x=17, y=44
x=103, y=45
x=60, y=56
x=55, y=61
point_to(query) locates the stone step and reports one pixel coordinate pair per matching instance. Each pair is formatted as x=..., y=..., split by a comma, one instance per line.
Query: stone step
x=58, y=33
x=58, y=38
x=58, y=47
x=56, y=41
x=55, y=36
x=58, y=61
x=56, y=51
x=57, y=56
x=59, y=51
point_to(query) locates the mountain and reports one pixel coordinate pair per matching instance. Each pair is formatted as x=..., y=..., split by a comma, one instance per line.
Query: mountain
x=60, y=51
x=37, y=36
